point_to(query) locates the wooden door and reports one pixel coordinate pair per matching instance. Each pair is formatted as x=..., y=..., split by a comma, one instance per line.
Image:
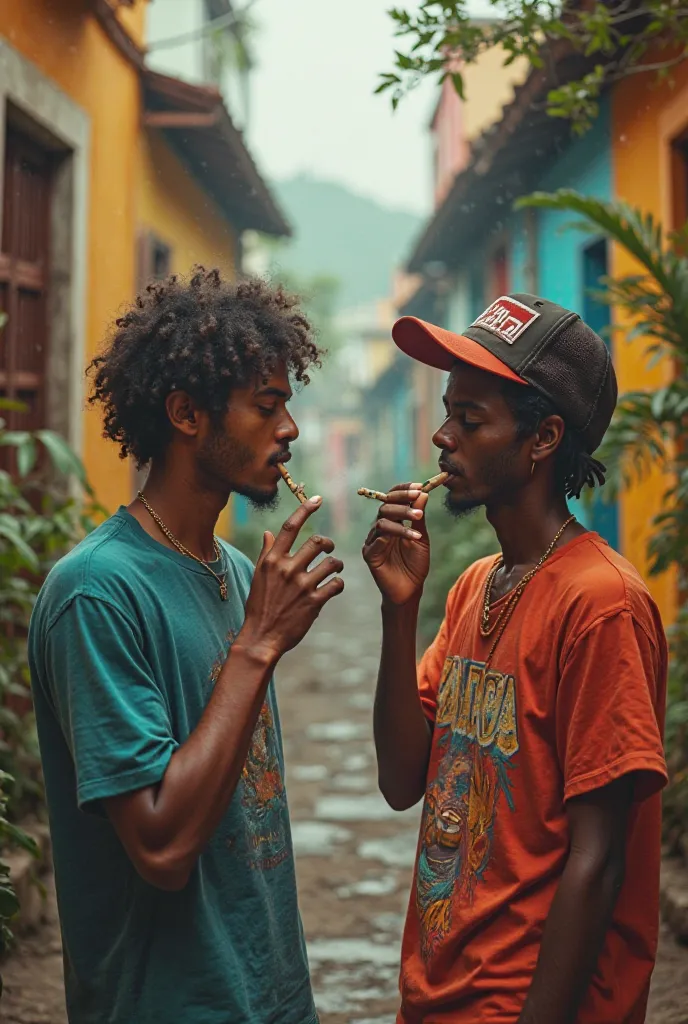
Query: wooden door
x=24, y=267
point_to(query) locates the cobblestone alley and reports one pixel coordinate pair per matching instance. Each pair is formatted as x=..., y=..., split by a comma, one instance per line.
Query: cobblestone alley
x=354, y=855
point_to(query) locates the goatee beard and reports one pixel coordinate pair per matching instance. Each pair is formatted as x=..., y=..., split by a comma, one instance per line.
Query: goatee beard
x=461, y=509
x=260, y=501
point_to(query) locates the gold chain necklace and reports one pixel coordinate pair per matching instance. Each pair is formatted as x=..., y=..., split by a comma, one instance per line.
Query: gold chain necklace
x=502, y=619
x=185, y=551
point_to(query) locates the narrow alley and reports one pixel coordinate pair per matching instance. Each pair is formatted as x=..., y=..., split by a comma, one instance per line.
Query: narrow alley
x=354, y=855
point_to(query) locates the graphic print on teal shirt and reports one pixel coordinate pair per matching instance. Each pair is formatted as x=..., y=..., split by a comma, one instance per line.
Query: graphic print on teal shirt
x=263, y=843
x=476, y=734
x=127, y=641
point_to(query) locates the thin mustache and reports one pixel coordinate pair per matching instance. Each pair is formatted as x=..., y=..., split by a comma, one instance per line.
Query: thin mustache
x=275, y=460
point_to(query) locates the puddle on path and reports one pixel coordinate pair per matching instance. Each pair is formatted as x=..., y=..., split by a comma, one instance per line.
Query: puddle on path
x=321, y=638
x=348, y=995
x=316, y=838
x=353, y=676
x=356, y=762
x=382, y=885
x=359, y=783
x=361, y=701
x=308, y=772
x=390, y=924
x=339, y=731
x=396, y=852
x=353, y=951
x=369, y=807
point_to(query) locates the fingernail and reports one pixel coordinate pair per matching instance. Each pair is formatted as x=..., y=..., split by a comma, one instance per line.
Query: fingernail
x=416, y=487
x=414, y=534
x=417, y=513
x=316, y=499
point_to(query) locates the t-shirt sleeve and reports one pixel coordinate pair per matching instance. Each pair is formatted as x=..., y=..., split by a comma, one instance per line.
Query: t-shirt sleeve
x=432, y=663
x=111, y=711
x=607, y=711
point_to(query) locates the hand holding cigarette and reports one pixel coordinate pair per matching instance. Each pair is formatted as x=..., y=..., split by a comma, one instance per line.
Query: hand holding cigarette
x=429, y=485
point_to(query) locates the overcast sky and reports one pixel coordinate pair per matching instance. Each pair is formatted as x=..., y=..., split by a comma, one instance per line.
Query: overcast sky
x=313, y=108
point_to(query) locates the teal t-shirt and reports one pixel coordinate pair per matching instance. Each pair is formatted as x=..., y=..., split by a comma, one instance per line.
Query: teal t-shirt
x=126, y=642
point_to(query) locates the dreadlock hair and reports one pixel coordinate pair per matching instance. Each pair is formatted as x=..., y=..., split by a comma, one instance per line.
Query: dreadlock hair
x=574, y=467
x=201, y=335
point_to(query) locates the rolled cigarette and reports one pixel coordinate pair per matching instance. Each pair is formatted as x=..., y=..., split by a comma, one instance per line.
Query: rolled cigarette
x=434, y=481
x=428, y=486
x=296, y=489
x=365, y=492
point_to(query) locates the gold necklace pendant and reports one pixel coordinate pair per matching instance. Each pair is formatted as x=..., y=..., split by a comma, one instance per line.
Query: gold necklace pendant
x=224, y=594
x=505, y=614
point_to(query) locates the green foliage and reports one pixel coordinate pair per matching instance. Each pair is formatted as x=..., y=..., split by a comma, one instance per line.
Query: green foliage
x=620, y=38
x=39, y=520
x=650, y=426
x=10, y=836
x=676, y=798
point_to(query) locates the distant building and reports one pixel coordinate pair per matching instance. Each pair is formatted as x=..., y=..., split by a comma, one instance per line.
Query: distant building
x=112, y=175
x=475, y=247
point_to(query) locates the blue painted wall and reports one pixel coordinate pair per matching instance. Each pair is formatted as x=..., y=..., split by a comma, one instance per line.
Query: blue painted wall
x=586, y=166
x=563, y=267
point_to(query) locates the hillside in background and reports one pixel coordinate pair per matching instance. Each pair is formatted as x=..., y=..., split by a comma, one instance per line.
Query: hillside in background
x=343, y=235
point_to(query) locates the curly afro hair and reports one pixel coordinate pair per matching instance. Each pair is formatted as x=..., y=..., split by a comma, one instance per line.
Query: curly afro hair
x=201, y=335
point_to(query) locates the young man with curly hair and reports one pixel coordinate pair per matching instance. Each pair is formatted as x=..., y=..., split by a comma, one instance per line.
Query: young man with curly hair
x=152, y=651
x=533, y=725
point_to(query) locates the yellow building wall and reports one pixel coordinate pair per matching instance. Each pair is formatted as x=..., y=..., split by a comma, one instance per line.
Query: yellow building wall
x=640, y=155
x=178, y=211
x=489, y=86
x=184, y=217
x=68, y=46
x=136, y=181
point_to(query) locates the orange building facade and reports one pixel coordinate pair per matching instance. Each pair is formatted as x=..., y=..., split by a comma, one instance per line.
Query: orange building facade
x=650, y=168
x=111, y=175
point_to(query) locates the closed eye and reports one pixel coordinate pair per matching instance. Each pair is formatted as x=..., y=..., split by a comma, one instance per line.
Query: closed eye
x=266, y=410
x=470, y=425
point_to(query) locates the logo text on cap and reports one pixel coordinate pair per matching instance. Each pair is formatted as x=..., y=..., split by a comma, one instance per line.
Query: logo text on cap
x=506, y=318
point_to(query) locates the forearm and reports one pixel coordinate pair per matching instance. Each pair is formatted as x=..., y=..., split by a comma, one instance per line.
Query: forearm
x=573, y=938
x=183, y=812
x=402, y=732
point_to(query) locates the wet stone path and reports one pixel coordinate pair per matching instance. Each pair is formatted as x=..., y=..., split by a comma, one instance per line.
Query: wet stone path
x=354, y=855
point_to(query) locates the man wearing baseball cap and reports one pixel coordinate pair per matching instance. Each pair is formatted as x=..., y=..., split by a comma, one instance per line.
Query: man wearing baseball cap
x=533, y=725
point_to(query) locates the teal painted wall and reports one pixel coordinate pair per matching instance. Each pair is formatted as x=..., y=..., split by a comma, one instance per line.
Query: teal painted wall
x=563, y=271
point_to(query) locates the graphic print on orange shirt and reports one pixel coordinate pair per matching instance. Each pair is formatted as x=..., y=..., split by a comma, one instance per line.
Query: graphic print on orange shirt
x=477, y=736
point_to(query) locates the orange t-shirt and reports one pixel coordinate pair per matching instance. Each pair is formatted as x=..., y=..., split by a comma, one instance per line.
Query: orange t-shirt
x=574, y=698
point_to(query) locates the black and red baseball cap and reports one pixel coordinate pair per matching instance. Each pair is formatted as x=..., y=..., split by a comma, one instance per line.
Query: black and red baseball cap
x=531, y=341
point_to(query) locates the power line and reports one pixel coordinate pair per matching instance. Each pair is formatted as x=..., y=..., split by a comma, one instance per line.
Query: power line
x=224, y=21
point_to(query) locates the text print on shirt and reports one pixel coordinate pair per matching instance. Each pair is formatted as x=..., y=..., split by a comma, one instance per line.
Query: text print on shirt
x=478, y=737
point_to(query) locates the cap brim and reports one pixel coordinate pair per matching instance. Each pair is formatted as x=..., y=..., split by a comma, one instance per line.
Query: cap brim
x=439, y=348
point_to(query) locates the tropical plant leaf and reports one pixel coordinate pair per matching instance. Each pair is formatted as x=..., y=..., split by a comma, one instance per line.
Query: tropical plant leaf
x=9, y=904
x=64, y=459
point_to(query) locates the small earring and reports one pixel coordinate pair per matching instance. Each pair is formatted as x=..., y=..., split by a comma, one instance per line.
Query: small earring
x=532, y=468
